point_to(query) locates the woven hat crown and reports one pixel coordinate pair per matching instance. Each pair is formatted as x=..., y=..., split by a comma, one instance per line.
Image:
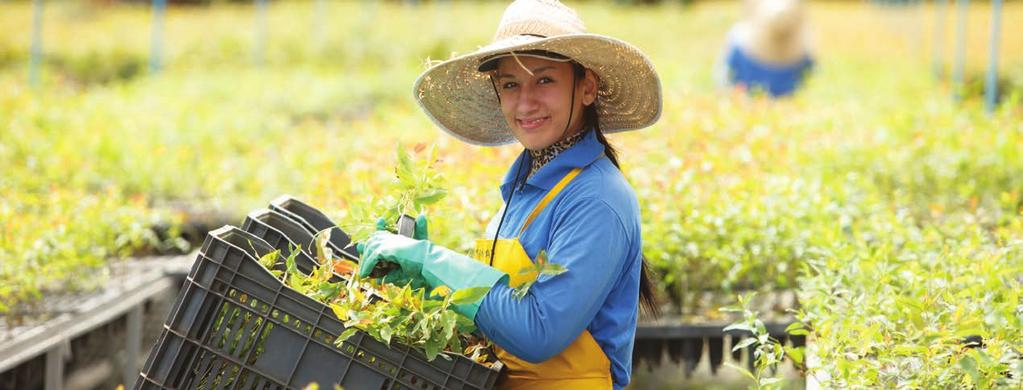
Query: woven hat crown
x=543, y=18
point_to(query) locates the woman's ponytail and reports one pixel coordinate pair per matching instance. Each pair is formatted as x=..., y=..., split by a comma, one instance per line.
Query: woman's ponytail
x=647, y=296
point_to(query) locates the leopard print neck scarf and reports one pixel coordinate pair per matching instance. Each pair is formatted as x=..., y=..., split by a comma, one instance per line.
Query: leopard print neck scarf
x=541, y=157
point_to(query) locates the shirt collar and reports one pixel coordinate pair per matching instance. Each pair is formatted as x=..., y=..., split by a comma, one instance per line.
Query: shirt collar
x=582, y=154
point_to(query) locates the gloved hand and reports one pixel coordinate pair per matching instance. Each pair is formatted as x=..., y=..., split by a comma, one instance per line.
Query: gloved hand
x=437, y=265
x=421, y=231
x=398, y=277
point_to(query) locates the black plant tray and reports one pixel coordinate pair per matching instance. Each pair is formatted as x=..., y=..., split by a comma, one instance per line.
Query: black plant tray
x=234, y=325
x=314, y=221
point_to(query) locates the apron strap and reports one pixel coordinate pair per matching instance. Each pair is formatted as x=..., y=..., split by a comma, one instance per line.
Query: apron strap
x=550, y=196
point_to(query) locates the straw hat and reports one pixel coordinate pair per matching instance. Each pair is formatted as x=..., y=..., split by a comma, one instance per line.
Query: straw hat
x=458, y=96
x=774, y=31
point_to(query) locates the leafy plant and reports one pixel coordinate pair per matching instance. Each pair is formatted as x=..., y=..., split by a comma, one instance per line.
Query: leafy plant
x=767, y=351
x=899, y=310
x=541, y=267
x=416, y=184
x=385, y=312
x=895, y=215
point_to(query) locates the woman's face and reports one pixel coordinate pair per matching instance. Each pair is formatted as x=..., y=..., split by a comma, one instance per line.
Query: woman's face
x=536, y=103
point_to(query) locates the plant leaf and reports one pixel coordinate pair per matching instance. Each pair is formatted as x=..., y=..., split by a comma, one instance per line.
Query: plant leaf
x=741, y=370
x=431, y=349
x=440, y=291
x=385, y=333
x=969, y=365
x=339, y=311
x=405, y=168
x=738, y=326
x=553, y=269
x=520, y=291
x=323, y=252
x=541, y=258
x=744, y=343
x=795, y=353
x=348, y=333
x=431, y=196
x=769, y=381
x=268, y=260
x=469, y=295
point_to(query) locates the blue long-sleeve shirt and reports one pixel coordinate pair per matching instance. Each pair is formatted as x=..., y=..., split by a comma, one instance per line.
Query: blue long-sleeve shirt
x=593, y=229
x=776, y=80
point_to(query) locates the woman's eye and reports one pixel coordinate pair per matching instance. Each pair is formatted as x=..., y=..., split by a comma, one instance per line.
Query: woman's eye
x=508, y=85
x=544, y=80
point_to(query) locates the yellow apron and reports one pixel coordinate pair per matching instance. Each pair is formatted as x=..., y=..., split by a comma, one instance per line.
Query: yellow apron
x=583, y=364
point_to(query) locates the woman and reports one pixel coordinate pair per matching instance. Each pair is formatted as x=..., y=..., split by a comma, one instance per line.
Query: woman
x=769, y=50
x=547, y=84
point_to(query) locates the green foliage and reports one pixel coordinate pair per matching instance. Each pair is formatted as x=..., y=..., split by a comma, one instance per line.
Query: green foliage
x=768, y=353
x=541, y=267
x=894, y=311
x=385, y=312
x=416, y=184
x=893, y=211
x=59, y=242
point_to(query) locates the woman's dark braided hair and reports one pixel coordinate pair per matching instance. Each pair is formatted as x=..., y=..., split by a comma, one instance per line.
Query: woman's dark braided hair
x=647, y=296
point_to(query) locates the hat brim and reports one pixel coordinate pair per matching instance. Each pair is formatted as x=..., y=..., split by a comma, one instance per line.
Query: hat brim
x=462, y=101
x=489, y=63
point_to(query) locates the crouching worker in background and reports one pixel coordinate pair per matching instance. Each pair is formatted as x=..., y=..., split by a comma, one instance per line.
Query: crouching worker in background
x=768, y=51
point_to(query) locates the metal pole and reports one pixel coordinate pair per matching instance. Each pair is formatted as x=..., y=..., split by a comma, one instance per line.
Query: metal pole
x=133, y=345
x=941, y=9
x=960, y=61
x=991, y=86
x=260, y=46
x=37, y=42
x=55, y=366
x=321, y=24
x=156, y=54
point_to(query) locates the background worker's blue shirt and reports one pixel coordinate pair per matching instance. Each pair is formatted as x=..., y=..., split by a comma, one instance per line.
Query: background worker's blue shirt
x=777, y=80
x=592, y=228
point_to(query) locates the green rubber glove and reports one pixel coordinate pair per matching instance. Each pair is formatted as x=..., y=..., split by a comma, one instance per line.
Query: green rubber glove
x=398, y=277
x=437, y=265
x=422, y=232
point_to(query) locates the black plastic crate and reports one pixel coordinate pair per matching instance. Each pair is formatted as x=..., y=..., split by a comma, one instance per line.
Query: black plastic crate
x=314, y=221
x=236, y=326
x=283, y=233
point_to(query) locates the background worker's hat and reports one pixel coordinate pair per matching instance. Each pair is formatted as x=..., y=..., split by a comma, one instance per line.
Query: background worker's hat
x=458, y=96
x=774, y=31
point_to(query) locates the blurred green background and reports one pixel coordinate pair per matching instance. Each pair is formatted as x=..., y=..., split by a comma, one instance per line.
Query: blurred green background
x=888, y=205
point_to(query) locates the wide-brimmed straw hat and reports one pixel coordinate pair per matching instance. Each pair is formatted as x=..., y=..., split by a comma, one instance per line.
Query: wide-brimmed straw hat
x=458, y=96
x=774, y=31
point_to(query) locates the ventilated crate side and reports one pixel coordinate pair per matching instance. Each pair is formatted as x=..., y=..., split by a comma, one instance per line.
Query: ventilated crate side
x=236, y=326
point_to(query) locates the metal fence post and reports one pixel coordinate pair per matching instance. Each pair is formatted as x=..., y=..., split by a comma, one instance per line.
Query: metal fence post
x=940, y=11
x=320, y=24
x=37, y=42
x=259, y=50
x=991, y=85
x=960, y=60
x=55, y=357
x=156, y=53
x=133, y=345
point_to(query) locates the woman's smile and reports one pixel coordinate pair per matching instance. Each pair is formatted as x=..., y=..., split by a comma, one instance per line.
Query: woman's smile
x=533, y=123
